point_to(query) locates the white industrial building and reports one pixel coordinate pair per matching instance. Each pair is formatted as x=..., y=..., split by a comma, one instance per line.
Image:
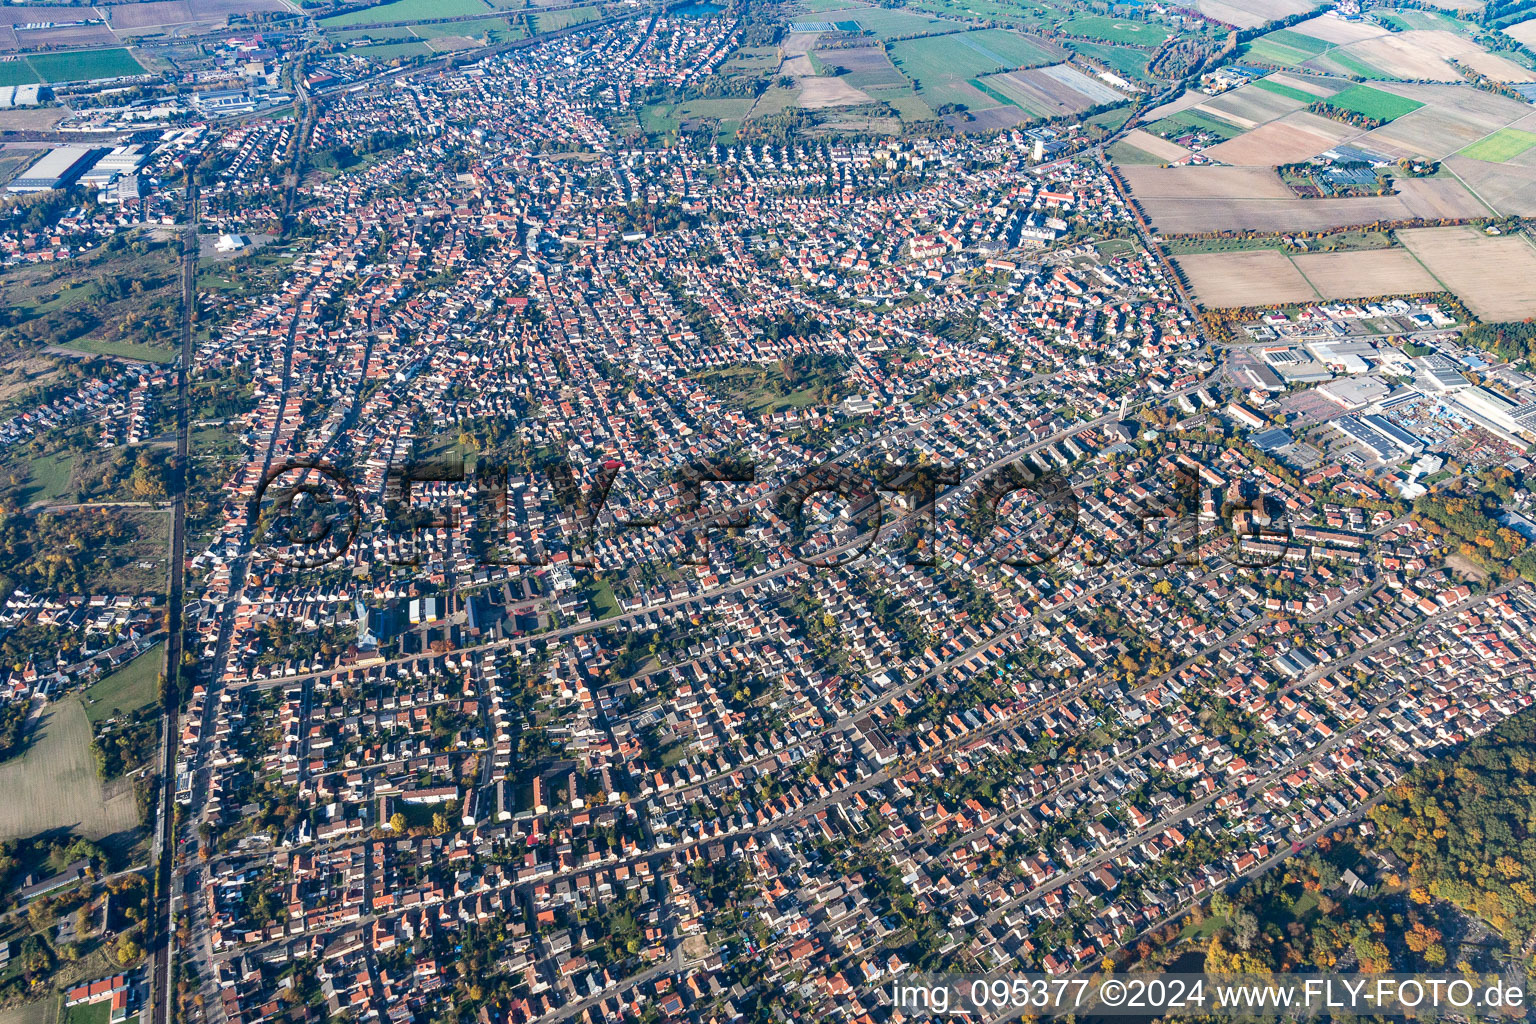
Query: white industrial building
x=56, y=170
x=113, y=164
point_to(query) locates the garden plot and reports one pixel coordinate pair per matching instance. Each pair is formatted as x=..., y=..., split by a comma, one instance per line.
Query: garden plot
x=1492, y=275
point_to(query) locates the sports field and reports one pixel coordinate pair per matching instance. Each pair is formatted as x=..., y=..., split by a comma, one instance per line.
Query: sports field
x=1373, y=103
x=1504, y=144
x=83, y=65
x=54, y=783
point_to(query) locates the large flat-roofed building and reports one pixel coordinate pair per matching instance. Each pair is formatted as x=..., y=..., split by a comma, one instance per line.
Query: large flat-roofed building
x=1514, y=421
x=115, y=162
x=19, y=96
x=56, y=170
x=1381, y=436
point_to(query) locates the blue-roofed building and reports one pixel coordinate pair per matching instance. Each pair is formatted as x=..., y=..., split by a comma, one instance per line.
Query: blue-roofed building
x=1272, y=440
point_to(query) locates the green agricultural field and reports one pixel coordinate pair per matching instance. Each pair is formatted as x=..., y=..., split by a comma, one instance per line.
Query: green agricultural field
x=1373, y=103
x=553, y=21
x=1281, y=89
x=1124, y=153
x=941, y=66
x=131, y=687
x=1005, y=100
x=82, y=65
x=17, y=72
x=394, y=34
x=1504, y=144
x=1184, y=120
x=1355, y=66
x=1021, y=13
x=1121, y=60
x=1115, y=30
x=406, y=11
x=1298, y=41
x=884, y=23
x=492, y=30
x=1286, y=48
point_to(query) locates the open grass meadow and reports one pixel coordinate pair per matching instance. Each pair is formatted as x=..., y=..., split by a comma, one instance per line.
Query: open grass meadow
x=144, y=352
x=47, y=478
x=131, y=687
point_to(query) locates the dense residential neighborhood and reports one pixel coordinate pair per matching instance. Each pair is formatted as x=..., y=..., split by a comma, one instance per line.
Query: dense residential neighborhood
x=626, y=512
